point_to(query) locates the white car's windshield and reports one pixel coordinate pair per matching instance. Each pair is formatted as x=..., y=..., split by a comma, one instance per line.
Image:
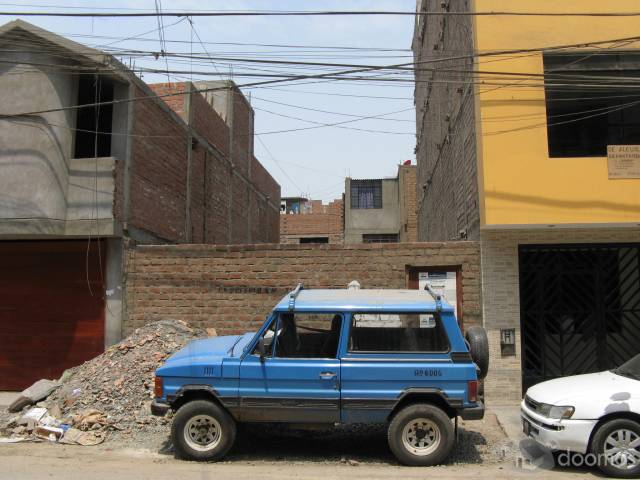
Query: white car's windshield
x=630, y=369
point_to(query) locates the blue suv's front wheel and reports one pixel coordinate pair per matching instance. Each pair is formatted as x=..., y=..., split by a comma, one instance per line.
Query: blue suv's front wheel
x=202, y=430
x=421, y=434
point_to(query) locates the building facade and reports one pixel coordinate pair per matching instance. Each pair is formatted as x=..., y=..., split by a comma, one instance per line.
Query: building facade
x=536, y=155
x=311, y=221
x=381, y=210
x=91, y=160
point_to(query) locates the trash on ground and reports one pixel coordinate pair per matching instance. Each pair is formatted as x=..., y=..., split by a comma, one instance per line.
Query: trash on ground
x=36, y=392
x=109, y=393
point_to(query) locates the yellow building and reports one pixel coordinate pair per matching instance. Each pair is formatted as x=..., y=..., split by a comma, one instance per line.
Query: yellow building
x=529, y=142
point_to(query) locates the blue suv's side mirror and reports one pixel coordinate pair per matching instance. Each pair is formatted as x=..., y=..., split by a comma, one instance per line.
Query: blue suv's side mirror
x=261, y=349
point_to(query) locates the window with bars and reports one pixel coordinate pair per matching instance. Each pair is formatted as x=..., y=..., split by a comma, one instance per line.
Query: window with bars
x=590, y=102
x=366, y=194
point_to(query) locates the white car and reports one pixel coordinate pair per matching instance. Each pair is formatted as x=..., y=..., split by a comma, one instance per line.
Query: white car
x=597, y=414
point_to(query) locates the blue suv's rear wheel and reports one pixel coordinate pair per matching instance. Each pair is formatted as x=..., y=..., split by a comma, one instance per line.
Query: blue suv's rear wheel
x=421, y=435
x=202, y=430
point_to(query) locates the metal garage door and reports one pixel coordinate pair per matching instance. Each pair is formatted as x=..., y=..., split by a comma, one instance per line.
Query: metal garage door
x=579, y=308
x=51, y=318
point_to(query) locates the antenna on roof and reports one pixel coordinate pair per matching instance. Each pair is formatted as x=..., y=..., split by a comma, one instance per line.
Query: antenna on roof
x=293, y=294
x=436, y=296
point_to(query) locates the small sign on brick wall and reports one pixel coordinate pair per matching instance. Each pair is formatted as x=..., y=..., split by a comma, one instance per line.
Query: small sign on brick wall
x=623, y=161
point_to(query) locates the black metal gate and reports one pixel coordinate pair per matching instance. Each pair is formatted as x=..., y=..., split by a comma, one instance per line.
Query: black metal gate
x=579, y=308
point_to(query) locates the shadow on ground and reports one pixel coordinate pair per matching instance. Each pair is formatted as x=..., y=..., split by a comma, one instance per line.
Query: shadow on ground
x=345, y=444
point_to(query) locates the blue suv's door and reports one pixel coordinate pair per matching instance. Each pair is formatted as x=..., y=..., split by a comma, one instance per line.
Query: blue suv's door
x=298, y=380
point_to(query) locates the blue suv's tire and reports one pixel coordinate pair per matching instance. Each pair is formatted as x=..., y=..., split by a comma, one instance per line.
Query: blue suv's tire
x=421, y=435
x=478, y=342
x=202, y=430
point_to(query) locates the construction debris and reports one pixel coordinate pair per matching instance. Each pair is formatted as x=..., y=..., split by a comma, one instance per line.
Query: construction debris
x=110, y=393
x=36, y=392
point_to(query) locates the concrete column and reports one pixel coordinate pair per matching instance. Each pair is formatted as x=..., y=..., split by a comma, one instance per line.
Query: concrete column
x=114, y=293
x=188, y=234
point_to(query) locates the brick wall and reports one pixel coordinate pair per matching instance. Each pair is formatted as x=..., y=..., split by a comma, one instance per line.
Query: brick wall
x=321, y=221
x=229, y=202
x=232, y=288
x=501, y=294
x=445, y=124
x=159, y=174
x=408, y=213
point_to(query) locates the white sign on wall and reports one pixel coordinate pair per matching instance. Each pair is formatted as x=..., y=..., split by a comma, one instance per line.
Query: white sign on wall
x=443, y=283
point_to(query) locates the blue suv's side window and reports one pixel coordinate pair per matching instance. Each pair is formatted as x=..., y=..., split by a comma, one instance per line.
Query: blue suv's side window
x=397, y=332
x=307, y=335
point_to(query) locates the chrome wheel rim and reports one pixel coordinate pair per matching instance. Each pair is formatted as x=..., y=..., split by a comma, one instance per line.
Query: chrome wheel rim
x=202, y=433
x=621, y=449
x=421, y=436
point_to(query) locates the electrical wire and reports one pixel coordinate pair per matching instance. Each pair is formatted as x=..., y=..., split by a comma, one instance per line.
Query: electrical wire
x=327, y=111
x=278, y=164
x=307, y=13
x=322, y=124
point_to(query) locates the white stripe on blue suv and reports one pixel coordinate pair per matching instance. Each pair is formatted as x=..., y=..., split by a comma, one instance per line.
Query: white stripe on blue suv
x=331, y=357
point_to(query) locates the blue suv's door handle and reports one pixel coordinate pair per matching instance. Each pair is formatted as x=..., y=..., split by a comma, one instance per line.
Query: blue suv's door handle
x=328, y=375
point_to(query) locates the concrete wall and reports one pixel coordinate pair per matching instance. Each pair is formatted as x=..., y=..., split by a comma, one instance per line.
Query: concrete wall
x=501, y=294
x=358, y=222
x=447, y=179
x=232, y=288
x=522, y=183
x=43, y=189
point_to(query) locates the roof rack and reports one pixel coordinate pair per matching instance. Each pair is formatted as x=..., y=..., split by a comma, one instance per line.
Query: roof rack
x=436, y=296
x=293, y=294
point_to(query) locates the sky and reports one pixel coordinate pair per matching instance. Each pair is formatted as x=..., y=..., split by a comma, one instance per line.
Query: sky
x=310, y=162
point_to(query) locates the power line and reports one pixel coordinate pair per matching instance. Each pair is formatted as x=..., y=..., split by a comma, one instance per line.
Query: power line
x=326, y=111
x=244, y=44
x=193, y=29
x=278, y=164
x=336, y=124
x=305, y=13
x=334, y=76
x=163, y=47
x=496, y=78
x=608, y=110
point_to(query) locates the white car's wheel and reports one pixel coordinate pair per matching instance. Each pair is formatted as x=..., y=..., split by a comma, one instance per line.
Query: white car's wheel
x=617, y=446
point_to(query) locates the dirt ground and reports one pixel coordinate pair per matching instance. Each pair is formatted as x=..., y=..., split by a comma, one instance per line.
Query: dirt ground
x=271, y=452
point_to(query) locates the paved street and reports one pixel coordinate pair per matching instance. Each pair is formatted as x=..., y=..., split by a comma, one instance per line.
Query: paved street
x=283, y=456
x=42, y=461
x=257, y=455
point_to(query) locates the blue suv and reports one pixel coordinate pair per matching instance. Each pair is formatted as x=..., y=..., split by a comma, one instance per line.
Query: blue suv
x=394, y=357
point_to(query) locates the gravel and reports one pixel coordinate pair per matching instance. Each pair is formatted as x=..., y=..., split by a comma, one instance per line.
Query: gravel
x=118, y=384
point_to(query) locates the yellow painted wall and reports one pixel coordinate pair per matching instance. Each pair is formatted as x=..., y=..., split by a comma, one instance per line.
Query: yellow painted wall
x=519, y=183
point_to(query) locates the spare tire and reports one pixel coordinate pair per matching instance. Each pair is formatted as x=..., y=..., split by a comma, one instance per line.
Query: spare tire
x=479, y=348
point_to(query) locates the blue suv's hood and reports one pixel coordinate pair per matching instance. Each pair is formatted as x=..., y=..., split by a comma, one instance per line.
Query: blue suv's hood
x=208, y=352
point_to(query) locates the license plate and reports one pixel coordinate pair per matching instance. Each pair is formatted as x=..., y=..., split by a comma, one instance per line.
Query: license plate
x=526, y=427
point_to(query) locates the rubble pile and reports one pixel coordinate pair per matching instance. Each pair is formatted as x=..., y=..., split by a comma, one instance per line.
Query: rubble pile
x=110, y=393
